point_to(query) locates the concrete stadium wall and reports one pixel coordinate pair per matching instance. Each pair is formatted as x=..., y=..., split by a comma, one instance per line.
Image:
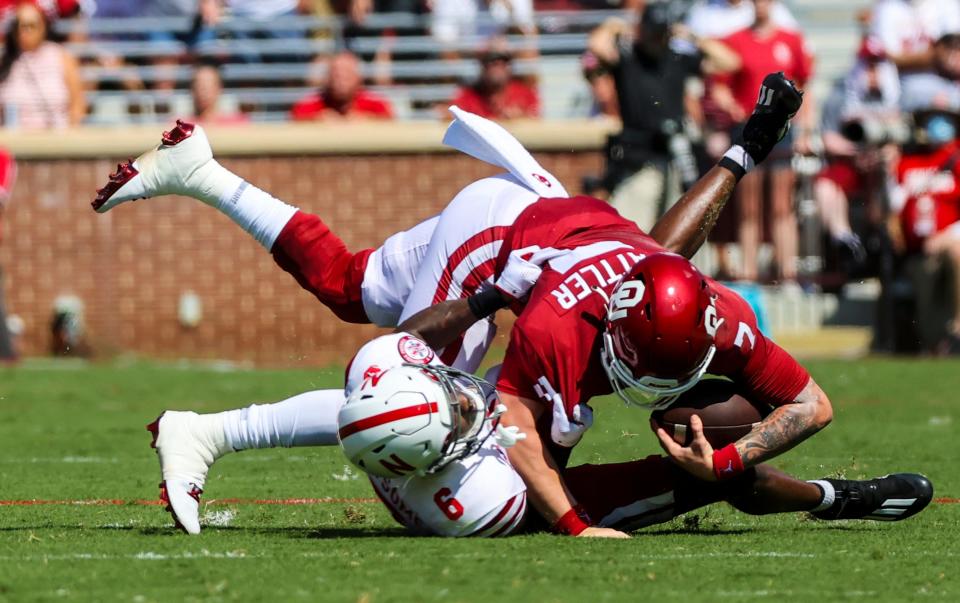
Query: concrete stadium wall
x=130, y=266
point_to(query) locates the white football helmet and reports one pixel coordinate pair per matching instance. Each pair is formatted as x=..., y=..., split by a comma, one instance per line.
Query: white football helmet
x=415, y=419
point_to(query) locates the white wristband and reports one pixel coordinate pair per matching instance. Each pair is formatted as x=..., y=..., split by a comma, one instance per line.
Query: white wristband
x=741, y=157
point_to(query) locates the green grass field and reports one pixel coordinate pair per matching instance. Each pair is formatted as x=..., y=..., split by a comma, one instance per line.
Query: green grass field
x=72, y=432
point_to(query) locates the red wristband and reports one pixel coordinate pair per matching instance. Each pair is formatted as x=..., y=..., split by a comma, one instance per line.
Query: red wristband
x=727, y=462
x=572, y=523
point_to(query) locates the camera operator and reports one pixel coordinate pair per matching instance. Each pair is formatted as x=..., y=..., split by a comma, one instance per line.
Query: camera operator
x=861, y=126
x=650, y=78
x=925, y=226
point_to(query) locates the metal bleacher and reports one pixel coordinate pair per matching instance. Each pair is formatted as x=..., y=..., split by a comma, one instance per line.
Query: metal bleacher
x=266, y=75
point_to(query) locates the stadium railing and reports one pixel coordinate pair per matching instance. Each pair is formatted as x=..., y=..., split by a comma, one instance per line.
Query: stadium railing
x=266, y=76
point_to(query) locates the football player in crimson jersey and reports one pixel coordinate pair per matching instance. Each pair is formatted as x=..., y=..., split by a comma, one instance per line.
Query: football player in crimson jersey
x=481, y=493
x=612, y=312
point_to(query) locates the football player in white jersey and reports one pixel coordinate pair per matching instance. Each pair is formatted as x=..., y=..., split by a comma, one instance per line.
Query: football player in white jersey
x=428, y=436
x=445, y=257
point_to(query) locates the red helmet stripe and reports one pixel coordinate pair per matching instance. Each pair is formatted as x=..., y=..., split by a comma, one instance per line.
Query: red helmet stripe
x=387, y=417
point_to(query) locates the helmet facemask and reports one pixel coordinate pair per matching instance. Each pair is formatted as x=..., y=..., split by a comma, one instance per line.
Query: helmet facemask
x=651, y=392
x=466, y=412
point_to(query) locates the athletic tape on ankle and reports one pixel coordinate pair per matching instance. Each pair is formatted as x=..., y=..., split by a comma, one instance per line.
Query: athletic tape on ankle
x=829, y=495
x=738, y=161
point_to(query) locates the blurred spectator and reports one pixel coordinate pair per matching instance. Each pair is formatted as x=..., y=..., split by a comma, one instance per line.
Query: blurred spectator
x=457, y=20
x=497, y=94
x=650, y=78
x=764, y=48
x=8, y=177
x=860, y=127
x=359, y=10
x=204, y=15
x=603, y=90
x=720, y=18
x=939, y=87
x=207, y=92
x=926, y=227
x=39, y=80
x=908, y=29
x=343, y=96
x=266, y=12
x=53, y=9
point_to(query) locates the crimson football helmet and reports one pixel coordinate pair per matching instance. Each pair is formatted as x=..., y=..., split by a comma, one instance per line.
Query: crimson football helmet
x=660, y=329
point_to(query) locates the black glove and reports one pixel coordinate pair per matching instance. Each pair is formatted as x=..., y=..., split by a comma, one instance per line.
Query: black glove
x=778, y=102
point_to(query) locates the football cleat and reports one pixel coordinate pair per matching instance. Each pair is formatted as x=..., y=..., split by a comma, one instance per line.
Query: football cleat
x=187, y=445
x=889, y=498
x=778, y=102
x=179, y=165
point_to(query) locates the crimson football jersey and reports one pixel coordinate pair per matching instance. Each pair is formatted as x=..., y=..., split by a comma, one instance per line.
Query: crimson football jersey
x=555, y=345
x=929, y=182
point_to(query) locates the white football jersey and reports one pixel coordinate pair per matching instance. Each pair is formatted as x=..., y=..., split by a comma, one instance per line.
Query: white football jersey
x=481, y=495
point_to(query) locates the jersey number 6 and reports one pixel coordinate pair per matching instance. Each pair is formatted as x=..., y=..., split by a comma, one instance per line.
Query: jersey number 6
x=450, y=506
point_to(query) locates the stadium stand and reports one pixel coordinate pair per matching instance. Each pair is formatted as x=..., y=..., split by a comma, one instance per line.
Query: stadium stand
x=419, y=75
x=421, y=78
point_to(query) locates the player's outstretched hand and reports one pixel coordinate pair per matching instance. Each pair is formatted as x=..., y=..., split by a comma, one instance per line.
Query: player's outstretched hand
x=595, y=532
x=778, y=101
x=697, y=458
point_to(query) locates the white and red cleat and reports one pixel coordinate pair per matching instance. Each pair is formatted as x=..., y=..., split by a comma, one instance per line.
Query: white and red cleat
x=179, y=165
x=187, y=445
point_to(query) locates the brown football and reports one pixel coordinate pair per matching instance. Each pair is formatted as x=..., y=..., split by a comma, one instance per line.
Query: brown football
x=727, y=416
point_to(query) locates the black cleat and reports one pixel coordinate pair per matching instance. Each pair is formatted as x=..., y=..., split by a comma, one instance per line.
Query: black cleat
x=889, y=498
x=778, y=101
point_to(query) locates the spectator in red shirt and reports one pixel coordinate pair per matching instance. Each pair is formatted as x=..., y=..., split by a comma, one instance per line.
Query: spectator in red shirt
x=763, y=48
x=343, y=97
x=497, y=94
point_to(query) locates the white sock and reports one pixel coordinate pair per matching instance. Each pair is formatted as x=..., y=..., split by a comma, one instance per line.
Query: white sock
x=308, y=419
x=829, y=495
x=256, y=211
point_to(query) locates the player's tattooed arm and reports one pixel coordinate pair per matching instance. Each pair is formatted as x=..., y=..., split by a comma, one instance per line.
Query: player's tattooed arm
x=786, y=426
x=684, y=227
x=780, y=431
